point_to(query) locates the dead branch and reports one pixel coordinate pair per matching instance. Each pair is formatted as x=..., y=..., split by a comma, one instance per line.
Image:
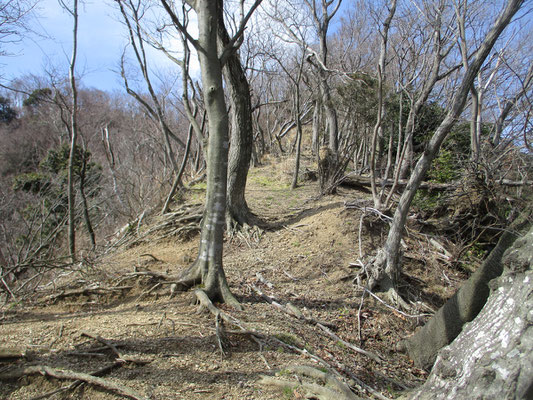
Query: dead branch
x=289, y=308
x=124, y=358
x=87, y=291
x=154, y=258
x=77, y=383
x=147, y=292
x=11, y=353
x=104, y=342
x=206, y=302
x=369, y=354
x=78, y=376
x=357, y=182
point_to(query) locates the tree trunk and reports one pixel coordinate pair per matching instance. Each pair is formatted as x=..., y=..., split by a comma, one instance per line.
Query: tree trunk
x=316, y=127
x=74, y=136
x=177, y=180
x=386, y=267
x=491, y=358
x=378, y=129
x=207, y=268
x=241, y=140
x=294, y=183
x=85, y=204
x=461, y=308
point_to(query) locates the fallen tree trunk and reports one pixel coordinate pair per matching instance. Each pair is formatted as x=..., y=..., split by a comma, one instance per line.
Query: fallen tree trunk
x=491, y=358
x=358, y=181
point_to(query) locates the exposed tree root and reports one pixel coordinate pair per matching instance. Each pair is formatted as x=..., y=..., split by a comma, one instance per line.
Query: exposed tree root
x=247, y=229
x=321, y=385
x=78, y=376
x=256, y=335
x=215, y=288
x=377, y=276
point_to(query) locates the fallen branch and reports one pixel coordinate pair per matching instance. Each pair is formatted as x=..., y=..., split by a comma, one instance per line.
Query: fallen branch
x=78, y=376
x=77, y=383
x=87, y=292
x=356, y=182
x=206, y=302
x=10, y=353
x=289, y=308
x=124, y=358
x=369, y=354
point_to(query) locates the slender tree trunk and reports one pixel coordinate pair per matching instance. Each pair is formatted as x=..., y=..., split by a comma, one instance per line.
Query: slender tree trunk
x=294, y=183
x=474, y=133
x=73, y=137
x=316, y=127
x=378, y=130
x=177, y=180
x=84, y=203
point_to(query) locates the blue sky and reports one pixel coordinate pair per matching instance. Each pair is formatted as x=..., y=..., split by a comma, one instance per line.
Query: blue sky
x=101, y=40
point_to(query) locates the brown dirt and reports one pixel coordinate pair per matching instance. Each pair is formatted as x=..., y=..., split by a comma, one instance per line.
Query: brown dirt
x=305, y=259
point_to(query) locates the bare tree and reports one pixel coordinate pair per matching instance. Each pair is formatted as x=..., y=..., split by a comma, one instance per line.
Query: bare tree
x=14, y=15
x=73, y=11
x=321, y=14
x=378, y=128
x=385, y=268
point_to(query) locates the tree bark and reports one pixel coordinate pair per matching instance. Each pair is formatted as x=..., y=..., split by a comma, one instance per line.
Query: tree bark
x=491, y=358
x=241, y=140
x=74, y=135
x=462, y=307
x=207, y=269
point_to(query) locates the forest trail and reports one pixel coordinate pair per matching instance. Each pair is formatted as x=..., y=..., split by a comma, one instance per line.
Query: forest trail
x=304, y=264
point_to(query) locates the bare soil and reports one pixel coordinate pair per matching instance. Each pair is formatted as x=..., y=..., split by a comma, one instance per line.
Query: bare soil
x=306, y=259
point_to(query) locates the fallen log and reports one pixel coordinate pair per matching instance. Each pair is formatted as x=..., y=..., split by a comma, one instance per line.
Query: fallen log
x=354, y=181
x=358, y=181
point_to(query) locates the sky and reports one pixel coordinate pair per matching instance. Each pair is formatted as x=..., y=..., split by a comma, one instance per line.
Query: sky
x=101, y=41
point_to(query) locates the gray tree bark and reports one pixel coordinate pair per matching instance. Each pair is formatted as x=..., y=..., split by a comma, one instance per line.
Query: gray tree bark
x=241, y=140
x=207, y=269
x=462, y=307
x=491, y=358
x=74, y=133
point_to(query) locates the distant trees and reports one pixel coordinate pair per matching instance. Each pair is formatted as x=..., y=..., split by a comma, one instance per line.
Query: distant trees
x=7, y=113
